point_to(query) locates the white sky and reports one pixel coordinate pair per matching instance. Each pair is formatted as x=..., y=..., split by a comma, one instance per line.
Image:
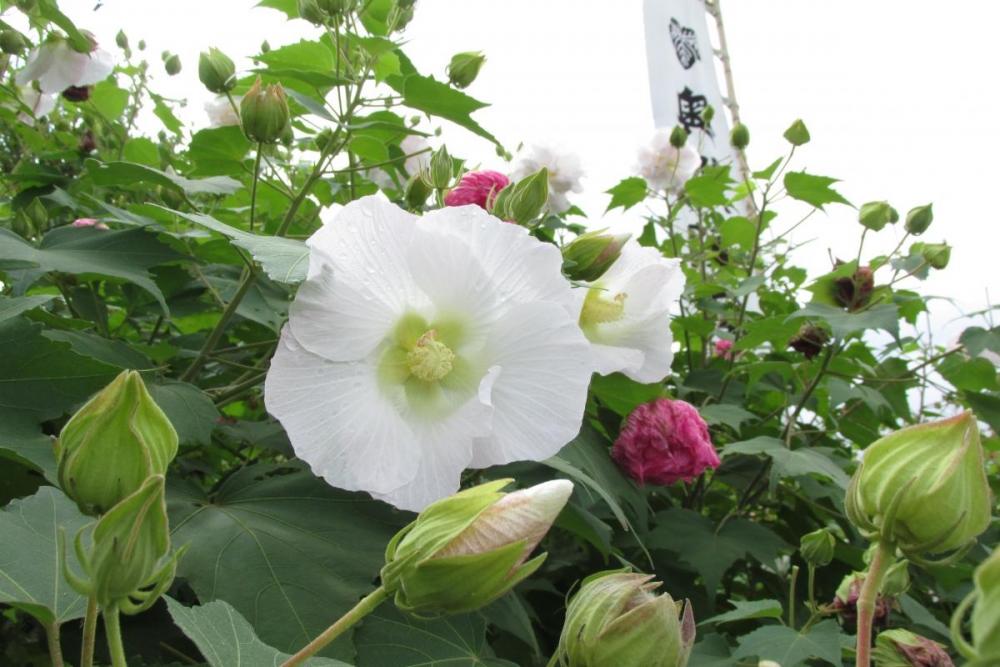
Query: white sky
x=899, y=96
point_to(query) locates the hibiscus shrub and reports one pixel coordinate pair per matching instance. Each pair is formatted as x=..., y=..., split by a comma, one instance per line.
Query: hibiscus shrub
x=238, y=357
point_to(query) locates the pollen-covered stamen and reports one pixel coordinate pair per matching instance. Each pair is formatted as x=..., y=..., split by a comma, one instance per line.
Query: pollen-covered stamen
x=599, y=309
x=430, y=360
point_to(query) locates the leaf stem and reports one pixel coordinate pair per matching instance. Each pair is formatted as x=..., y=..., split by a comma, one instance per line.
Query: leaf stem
x=55, y=647
x=794, y=577
x=866, y=601
x=366, y=606
x=113, y=630
x=253, y=185
x=89, y=634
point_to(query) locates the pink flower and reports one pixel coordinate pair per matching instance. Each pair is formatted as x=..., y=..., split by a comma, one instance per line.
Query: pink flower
x=664, y=441
x=477, y=187
x=723, y=348
x=89, y=222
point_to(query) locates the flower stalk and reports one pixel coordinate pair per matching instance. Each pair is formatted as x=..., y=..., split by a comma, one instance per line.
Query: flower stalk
x=89, y=633
x=365, y=606
x=881, y=559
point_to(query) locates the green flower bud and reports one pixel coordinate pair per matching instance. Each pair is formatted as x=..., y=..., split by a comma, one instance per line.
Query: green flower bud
x=616, y=619
x=896, y=579
x=708, y=115
x=797, y=133
x=12, y=42
x=464, y=67
x=466, y=550
x=311, y=11
x=441, y=172
x=817, y=547
x=172, y=64
x=923, y=488
x=265, y=47
x=417, y=192
x=216, y=71
x=678, y=137
x=590, y=255
x=36, y=214
x=986, y=613
x=523, y=201
x=919, y=219
x=121, y=39
x=113, y=443
x=902, y=648
x=877, y=214
x=142, y=45
x=264, y=113
x=739, y=136
x=320, y=12
x=937, y=255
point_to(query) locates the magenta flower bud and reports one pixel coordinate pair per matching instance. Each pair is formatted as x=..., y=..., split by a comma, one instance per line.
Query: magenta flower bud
x=477, y=187
x=724, y=348
x=664, y=441
x=89, y=222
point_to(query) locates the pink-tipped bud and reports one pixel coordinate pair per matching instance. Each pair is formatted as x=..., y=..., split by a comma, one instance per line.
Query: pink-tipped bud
x=89, y=222
x=724, y=348
x=477, y=187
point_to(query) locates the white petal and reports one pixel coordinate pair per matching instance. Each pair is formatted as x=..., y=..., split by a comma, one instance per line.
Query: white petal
x=56, y=67
x=640, y=349
x=339, y=421
x=610, y=359
x=541, y=392
x=96, y=67
x=345, y=310
x=41, y=104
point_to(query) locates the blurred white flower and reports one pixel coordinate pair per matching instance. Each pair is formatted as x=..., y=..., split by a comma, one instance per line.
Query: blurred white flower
x=221, y=111
x=419, y=158
x=41, y=104
x=419, y=346
x=625, y=314
x=565, y=172
x=56, y=66
x=665, y=167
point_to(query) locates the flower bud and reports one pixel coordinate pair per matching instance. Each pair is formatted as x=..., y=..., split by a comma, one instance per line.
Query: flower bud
x=739, y=136
x=464, y=551
x=616, y=619
x=797, y=133
x=936, y=255
x=264, y=113
x=896, y=579
x=877, y=214
x=855, y=292
x=112, y=444
x=845, y=602
x=311, y=11
x=441, y=171
x=590, y=255
x=477, y=187
x=525, y=200
x=708, y=115
x=923, y=488
x=216, y=71
x=76, y=94
x=817, y=547
x=121, y=39
x=919, y=219
x=985, y=648
x=142, y=45
x=12, y=42
x=416, y=192
x=902, y=648
x=678, y=136
x=809, y=341
x=172, y=64
x=464, y=67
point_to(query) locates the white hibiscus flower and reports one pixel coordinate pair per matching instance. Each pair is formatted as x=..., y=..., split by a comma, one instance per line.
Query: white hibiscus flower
x=56, y=66
x=665, y=167
x=419, y=346
x=625, y=314
x=221, y=111
x=565, y=172
x=41, y=104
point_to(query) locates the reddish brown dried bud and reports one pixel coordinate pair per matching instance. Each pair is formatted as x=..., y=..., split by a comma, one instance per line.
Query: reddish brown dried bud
x=856, y=291
x=845, y=604
x=809, y=340
x=77, y=93
x=88, y=144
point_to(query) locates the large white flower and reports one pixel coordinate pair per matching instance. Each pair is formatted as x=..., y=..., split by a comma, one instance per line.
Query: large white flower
x=625, y=314
x=56, y=66
x=221, y=112
x=419, y=346
x=41, y=104
x=565, y=172
x=665, y=167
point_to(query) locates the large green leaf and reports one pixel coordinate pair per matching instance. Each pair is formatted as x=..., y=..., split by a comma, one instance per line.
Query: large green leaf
x=22, y=439
x=627, y=193
x=226, y=639
x=284, y=549
x=126, y=255
x=842, y=323
x=790, y=648
x=388, y=638
x=189, y=409
x=812, y=189
x=130, y=173
x=218, y=151
x=745, y=610
x=284, y=260
x=790, y=462
x=12, y=306
x=30, y=578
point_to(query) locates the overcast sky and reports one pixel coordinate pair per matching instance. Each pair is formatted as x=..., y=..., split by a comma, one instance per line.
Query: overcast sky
x=899, y=95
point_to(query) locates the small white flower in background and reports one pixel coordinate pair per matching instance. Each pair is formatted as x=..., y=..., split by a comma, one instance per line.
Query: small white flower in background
x=41, y=104
x=56, y=66
x=768, y=663
x=221, y=111
x=665, y=167
x=420, y=346
x=625, y=314
x=565, y=172
x=419, y=158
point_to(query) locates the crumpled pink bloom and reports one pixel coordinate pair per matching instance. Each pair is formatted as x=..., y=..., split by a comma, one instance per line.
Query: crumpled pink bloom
x=477, y=187
x=724, y=348
x=664, y=441
x=89, y=222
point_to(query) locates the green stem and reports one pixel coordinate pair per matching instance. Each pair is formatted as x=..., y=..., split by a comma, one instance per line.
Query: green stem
x=866, y=601
x=812, y=588
x=824, y=365
x=253, y=185
x=89, y=634
x=366, y=606
x=113, y=630
x=791, y=596
x=213, y=338
x=55, y=647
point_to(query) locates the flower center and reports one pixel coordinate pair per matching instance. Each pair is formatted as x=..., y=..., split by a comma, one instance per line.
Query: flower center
x=430, y=360
x=599, y=309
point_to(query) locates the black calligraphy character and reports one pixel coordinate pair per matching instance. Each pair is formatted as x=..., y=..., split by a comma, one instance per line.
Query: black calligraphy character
x=689, y=109
x=685, y=44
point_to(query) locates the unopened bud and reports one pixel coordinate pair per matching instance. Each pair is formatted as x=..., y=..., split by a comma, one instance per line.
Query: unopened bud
x=616, y=618
x=739, y=137
x=902, y=648
x=923, y=488
x=845, y=602
x=264, y=113
x=678, y=137
x=919, y=219
x=590, y=255
x=216, y=71
x=12, y=42
x=172, y=64
x=417, y=192
x=896, y=580
x=76, y=94
x=936, y=255
x=523, y=201
x=855, y=291
x=797, y=133
x=809, y=340
x=877, y=214
x=311, y=11
x=121, y=39
x=464, y=67
x=817, y=547
x=466, y=550
x=441, y=171
x=112, y=444
x=985, y=649
x=265, y=47
x=708, y=115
